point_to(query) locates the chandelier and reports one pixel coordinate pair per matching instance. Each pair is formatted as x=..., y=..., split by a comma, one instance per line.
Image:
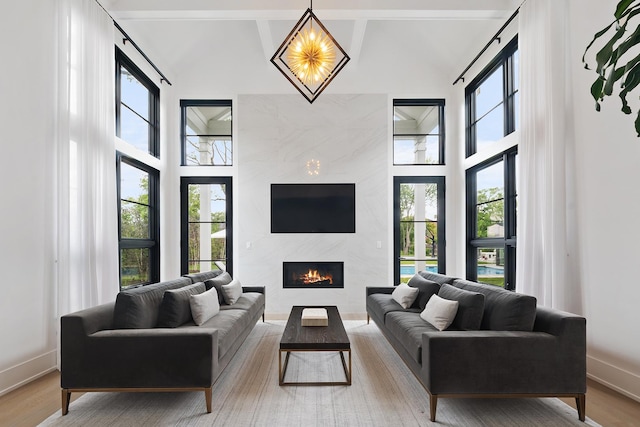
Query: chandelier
x=309, y=57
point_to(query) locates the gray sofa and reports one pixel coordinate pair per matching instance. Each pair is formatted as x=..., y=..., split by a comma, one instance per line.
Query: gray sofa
x=140, y=342
x=500, y=343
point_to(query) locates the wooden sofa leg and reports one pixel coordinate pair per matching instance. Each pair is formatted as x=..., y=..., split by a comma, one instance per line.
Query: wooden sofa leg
x=207, y=397
x=581, y=403
x=66, y=398
x=368, y=318
x=433, y=403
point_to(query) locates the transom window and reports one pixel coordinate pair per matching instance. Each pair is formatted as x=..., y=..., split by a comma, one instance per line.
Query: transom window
x=492, y=101
x=418, y=131
x=137, y=106
x=206, y=133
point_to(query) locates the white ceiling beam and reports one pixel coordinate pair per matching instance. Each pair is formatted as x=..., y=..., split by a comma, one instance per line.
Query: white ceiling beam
x=264, y=31
x=359, y=28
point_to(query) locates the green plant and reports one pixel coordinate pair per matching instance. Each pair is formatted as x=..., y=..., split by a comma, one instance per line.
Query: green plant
x=616, y=50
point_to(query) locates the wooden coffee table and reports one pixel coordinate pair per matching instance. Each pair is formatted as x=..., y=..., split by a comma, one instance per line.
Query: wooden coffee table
x=314, y=338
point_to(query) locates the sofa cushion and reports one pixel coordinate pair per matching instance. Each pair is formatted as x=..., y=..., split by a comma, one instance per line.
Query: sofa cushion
x=250, y=301
x=218, y=282
x=407, y=328
x=503, y=310
x=175, y=309
x=470, y=309
x=204, y=306
x=440, y=312
x=426, y=288
x=381, y=304
x=230, y=323
x=404, y=295
x=232, y=291
x=139, y=307
x=437, y=277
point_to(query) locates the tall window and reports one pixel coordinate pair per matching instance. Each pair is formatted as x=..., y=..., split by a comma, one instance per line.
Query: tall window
x=137, y=106
x=206, y=133
x=419, y=240
x=138, y=222
x=206, y=224
x=491, y=220
x=418, y=131
x=492, y=101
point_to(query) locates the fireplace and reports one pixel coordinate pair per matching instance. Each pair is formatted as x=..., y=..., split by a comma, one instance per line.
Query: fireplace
x=313, y=274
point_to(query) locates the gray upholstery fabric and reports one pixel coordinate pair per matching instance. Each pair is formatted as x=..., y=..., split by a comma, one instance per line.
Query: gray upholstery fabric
x=437, y=277
x=175, y=309
x=381, y=304
x=470, y=307
x=408, y=328
x=253, y=302
x=426, y=288
x=217, y=282
x=229, y=324
x=503, y=310
x=139, y=307
x=202, y=276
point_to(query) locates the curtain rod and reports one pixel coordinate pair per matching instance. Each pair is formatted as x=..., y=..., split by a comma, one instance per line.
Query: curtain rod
x=494, y=38
x=126, y=38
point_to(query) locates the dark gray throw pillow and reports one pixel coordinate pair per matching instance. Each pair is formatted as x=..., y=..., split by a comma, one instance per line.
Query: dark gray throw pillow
x=175, y=309
x=470, y=307
x=217, y=282
x=426, y=288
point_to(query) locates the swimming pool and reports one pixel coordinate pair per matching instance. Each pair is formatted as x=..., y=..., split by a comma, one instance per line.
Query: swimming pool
x=483, y=270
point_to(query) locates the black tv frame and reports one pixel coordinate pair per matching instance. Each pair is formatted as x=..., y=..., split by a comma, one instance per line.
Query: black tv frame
x=351, y=226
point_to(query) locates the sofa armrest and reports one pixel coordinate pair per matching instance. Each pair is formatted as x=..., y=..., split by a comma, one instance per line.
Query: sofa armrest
x=380, y=290
x=500, y=362
x=258, y=289
x=142, y=358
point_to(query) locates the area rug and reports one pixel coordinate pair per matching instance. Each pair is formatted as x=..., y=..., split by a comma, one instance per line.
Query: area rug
x=384, y=393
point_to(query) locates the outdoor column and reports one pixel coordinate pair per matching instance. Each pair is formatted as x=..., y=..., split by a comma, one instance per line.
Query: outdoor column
x=420, y=226
x=205, y=211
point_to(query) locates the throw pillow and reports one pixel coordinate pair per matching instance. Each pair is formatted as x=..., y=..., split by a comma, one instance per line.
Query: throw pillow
x=175, y=309
x=470, y=308
x=232, y=291
x=439, y=312
x=204, y=306
x=217, y=282
x=404, y=295
x=426, y=288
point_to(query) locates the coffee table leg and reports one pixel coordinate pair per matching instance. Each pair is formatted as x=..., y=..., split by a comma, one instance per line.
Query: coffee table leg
x=283, y=370
x=347, y=372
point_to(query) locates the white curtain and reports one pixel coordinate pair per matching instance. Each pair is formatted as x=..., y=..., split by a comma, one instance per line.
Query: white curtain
x=545, y=172
x=85, y=179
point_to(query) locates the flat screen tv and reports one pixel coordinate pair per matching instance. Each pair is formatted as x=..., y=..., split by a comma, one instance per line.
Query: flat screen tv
x=313, y=208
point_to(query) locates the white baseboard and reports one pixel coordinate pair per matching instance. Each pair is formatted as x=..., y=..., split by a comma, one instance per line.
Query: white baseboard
x=618, y=379
x=21, y=374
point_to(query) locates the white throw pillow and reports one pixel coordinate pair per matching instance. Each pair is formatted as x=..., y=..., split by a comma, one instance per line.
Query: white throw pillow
x=405, y=295
x=440, y=312
x=232, y=291
x=204, y=306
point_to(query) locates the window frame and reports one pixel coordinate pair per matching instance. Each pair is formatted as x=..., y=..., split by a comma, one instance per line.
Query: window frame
x=184, y=104
x=440, y=181
x=153, y=242
x=504, y=59
x=123, y=60
x=424, y=102
x=185, y=181
x=509, y=240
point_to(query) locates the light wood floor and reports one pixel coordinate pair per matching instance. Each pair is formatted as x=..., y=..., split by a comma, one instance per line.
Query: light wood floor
x=33, y=403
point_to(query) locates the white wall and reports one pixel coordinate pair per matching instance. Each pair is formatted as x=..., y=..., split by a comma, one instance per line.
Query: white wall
x=608, y=206
x=27, y=338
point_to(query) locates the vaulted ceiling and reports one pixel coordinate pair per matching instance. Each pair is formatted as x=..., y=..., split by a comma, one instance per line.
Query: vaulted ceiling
x=178, y=33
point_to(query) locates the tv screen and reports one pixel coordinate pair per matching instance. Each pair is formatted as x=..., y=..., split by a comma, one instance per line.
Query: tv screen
x=313, y=208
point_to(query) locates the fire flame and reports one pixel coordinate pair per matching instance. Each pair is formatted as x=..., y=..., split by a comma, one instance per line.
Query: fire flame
x=313, y=276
